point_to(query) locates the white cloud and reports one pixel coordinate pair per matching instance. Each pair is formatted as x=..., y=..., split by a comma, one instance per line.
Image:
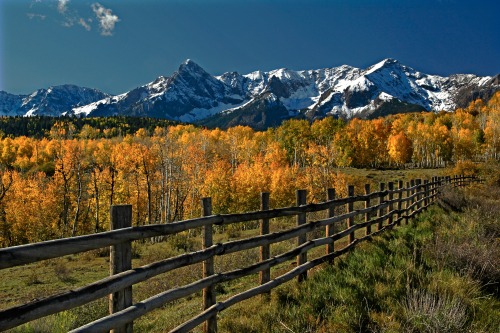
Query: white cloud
x=68, y=23
x=36, y=16
x=106, y=18
x=34, y=2
x=69, y=16
x=85, y=24
x=62, y=6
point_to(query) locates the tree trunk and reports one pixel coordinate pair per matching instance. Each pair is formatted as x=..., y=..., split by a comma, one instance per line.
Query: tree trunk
x=96, y=197
x=78, y=202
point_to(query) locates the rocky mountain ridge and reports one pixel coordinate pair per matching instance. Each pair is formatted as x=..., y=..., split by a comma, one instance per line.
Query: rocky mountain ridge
x=262, y=99
x=53, y=101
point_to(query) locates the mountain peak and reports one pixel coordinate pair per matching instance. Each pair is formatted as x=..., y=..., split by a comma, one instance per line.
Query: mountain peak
x=384, y=64
x=390, y=61
x=190, y=64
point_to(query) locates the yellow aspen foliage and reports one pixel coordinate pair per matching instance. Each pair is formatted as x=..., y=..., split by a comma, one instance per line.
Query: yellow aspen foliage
x=217, y=185
x=282, y=195
x=399, y=148
x=249, y=180
x=63, y=185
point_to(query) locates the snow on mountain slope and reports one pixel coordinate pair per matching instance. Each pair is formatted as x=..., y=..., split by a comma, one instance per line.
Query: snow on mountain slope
x=85, y=110
x=10, y=104
x=191, y=94
x=54, y=101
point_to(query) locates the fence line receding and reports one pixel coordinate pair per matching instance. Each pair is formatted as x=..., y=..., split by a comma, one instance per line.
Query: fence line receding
x=371, y=213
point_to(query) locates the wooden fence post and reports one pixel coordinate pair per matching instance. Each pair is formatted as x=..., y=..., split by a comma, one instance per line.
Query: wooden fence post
x=350, y=208
x=380, y=212
x=400, y=201
x=391, y=205
x=368, y=229
x=330, y=248
x=210, y=326
x=434, y=188
x=265, y=275
x=407, y=202
x=418, y=182
x=437, y=186
x=120, y=260
x=426, y=192
x=413, y=191
x=431, y=188
x=301, y=219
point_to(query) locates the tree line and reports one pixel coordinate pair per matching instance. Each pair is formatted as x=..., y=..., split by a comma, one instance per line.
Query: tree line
x=63, y=184
x=91, y=127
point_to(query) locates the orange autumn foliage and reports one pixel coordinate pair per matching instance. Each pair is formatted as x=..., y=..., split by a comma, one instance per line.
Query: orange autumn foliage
x=64, y=185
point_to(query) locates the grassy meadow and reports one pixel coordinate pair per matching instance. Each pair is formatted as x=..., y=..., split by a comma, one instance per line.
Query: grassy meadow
x=438, y=274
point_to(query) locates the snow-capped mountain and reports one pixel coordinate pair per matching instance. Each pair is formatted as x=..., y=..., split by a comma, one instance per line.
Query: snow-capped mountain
x=189, y=94
x=263, y=99
x=54, y=101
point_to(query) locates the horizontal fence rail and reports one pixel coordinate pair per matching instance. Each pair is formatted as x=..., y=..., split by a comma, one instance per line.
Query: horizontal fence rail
x=382, y=210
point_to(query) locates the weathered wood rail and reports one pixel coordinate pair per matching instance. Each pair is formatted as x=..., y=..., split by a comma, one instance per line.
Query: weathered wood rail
x=393, y=205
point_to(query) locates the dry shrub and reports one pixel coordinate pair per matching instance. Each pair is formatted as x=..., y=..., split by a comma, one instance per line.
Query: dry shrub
x=61, y=271
x=184, y=242
x=467, y=168
x=236, y=260
x=434, y=313
x=470, y=245
x=97, y=253
x=476, y=258
x=479, y=261
x=33, y=277
x=452, y=199
x=157, y=252
x=490, y=174
x=173, y=279
x=233, y=231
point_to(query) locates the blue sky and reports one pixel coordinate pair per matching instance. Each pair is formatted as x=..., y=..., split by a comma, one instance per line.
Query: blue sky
x=116, y=45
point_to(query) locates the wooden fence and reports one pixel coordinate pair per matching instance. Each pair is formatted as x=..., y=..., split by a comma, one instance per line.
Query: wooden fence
x=380, y=210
